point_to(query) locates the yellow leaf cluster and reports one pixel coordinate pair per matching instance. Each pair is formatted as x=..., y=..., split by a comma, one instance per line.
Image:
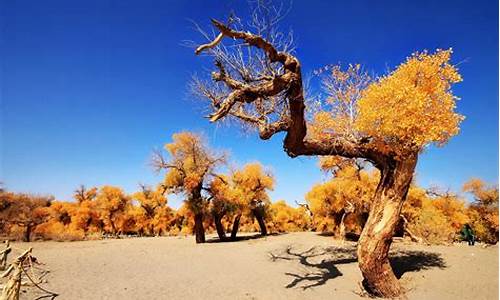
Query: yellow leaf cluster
x=284, y=218
x=350, y=187
x=483, y=212
x=414, y=105
x=252, y=183
x=190, y=162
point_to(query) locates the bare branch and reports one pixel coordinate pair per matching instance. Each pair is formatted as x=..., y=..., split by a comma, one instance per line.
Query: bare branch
x=158, y=162
x=212, y=44
x=261, y=85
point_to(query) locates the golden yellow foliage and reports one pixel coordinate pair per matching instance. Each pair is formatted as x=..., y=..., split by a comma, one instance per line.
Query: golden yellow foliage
x=251, y=184
x=434, y=216
x=22, y=213
x=284, y=218
x=191, y=164
x=483, y=212
x=414, y=105
x=112, y=202
x=350, y=189
x=432, y=225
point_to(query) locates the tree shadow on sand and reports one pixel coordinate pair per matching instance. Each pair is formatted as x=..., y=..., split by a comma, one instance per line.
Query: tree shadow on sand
x=320, y=263
x=415, y=261
x=48, y=297
x=241, y=238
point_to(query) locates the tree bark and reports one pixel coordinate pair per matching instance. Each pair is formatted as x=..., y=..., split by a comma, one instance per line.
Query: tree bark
x=337, y=220
x=342, y=226
x=3, y=256
x=218, y=226
x=13, y=286
x=260, y=219
x=236, y=226
x=27, y=232
x=113, y=226
x=199, y=230
x=376, y=237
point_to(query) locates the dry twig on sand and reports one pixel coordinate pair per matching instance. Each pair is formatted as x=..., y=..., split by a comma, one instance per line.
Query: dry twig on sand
x=23, y=264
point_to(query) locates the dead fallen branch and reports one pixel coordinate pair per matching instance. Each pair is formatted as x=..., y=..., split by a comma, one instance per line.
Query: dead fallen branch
x=22, y=265
x=3, y=255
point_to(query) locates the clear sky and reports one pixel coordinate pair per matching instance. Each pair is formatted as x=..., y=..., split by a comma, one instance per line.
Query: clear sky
x=89, y=88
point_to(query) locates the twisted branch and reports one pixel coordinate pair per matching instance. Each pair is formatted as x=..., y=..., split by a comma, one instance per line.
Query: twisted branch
x=244, y=100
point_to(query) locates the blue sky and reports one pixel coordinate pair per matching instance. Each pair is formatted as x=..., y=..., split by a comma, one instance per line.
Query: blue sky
x=89, y=88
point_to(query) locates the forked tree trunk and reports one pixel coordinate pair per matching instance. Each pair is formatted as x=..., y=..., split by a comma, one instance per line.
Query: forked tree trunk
x=199, y=230
x=260, y=219
x=236, y=226
x=218, y=226
x=376, y=237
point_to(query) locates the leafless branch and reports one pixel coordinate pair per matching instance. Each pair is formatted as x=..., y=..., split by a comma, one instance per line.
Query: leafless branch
x=259, y=82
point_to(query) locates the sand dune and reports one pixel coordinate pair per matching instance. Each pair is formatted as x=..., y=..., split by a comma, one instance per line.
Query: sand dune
x=289, y=266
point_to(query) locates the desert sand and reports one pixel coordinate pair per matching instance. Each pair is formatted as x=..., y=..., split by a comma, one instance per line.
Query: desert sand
x=290, y=266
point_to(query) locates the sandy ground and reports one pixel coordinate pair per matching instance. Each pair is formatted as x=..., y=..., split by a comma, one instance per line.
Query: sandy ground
x=290, y=266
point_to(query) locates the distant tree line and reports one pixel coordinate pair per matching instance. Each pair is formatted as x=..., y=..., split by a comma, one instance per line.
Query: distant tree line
x=238, y=200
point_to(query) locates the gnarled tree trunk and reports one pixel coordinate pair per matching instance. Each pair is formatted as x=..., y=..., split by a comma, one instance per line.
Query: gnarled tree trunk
x=236, y=226
x=260, y=219
x=376, y=237
x=218, y=226
x=27, y=232
x=199, y=230
x=396, y=168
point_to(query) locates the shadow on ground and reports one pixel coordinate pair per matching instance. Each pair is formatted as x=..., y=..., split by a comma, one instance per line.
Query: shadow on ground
x=415, y=261
x=241, y=238
x=321, y=263
x=49, y=297
x=349, y=236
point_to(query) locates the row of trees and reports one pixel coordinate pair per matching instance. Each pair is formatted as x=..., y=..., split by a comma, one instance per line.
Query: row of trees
x=239, y=200
x=342, y=204
x=225, y=202
x=109, y=212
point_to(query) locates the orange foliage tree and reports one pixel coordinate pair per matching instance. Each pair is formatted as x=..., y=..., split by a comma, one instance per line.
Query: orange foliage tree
x=343, y=199
x=111, y=204
x=87, y=217
x=433, y=216
x=388, y=120
x=483, y=212
x=154, y=216
x=284, y=218
x=251, y=184
x=189, y=168
x=59, y=224
x=22, y=212
x=223, y=202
